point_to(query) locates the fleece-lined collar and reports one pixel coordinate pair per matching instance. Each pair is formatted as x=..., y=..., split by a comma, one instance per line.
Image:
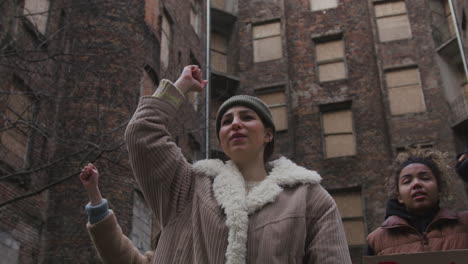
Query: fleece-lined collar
x=229, y=191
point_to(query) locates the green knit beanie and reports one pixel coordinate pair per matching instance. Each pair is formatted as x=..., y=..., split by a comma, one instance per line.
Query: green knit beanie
x=256, y=105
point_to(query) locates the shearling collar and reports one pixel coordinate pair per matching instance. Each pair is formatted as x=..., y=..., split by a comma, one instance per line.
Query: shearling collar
x=229, y=191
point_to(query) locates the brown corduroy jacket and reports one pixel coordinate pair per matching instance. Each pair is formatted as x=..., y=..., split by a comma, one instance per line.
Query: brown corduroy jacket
x=448, y=230
x=205, y=212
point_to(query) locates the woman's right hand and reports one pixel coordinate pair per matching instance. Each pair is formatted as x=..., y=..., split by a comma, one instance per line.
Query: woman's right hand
x=191, y=80
x=89, y=177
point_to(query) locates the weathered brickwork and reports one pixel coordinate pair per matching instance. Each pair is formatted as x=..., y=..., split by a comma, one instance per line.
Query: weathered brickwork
x=96, y=58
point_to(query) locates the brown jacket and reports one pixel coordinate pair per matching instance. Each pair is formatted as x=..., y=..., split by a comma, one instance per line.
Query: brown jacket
x=205, y=212
x=448, y=230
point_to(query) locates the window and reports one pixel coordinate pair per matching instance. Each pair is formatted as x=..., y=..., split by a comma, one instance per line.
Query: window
x=219, y=4
x=166, y=39
x=14, y=134
x=392, y=21
x=322, y=4
x=276, y=101
x=449, y=19
x=267, y=42
x=195, y=16
x=404, y=91
x=9, y=248
x=219, y=45
x=37, y=12
x=151, y=14
x=330, y=60
x=350, y=206
x=338, y=133
x=149, y=81
x=412, y=146
x=141, y=223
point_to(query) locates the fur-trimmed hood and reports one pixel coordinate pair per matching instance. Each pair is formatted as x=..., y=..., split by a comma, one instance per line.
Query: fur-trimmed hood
x=230, y=193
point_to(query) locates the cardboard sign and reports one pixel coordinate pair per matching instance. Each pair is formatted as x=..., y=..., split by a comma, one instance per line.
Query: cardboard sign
x=438, y=257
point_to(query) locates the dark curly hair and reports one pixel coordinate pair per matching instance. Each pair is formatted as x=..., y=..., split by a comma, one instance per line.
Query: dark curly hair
x=435, y=160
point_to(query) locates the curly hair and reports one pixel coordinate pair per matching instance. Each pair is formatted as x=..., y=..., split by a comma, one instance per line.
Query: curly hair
x=435, y=160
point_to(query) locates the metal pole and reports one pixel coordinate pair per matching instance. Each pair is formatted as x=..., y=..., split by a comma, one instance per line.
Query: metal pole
x=208, y=78
x=459, y=39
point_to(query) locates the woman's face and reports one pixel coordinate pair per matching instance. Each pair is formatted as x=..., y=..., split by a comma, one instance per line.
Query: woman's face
x=242, y=134
x=417, y=188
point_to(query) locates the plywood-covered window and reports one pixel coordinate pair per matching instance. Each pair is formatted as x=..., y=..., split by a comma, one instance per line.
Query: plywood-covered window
x=141, y=224
x=330, y=60
x=267, y=42
x=392, y=21
x=350, y=206
x=219, y=4
x=404, y=91
x=37, y=12
x=219, y=48
x=15, y=132
x=277, y=103
x=448, y=17
x=195, y=16
x=338, y=133
x=322, y=4
x=166, y=40
x=152, y=14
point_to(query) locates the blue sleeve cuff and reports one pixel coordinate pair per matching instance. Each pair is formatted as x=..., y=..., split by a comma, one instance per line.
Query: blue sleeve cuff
x=97, y=212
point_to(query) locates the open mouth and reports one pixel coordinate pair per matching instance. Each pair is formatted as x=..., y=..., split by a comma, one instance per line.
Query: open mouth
x=419, y=195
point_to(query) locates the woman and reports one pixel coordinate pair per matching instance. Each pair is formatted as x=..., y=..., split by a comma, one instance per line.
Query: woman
x=244, y=210
x=414, y=221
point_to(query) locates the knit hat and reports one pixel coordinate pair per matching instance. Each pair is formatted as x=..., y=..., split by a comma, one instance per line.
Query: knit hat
x=255, y=104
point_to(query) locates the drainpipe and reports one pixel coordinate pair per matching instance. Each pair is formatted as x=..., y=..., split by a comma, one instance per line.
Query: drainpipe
x=208, y=77
x=459, y=39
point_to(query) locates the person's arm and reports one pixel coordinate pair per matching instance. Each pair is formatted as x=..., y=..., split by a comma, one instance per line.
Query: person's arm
x=159, y=166
x=462, y=165
x=111, y=244
x=326, y=238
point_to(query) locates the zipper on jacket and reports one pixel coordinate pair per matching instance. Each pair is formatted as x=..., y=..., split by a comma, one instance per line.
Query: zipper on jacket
x=425, y=241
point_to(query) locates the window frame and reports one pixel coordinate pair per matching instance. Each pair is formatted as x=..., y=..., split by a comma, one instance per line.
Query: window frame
x=362, y=217
x=272, y=90
x=388, y=88
x=318, y=63
x=392, y=15
x=314, y=10
x=280, y=35
x=336, y=107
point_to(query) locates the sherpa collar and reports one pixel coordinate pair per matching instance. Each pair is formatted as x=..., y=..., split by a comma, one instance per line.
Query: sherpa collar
x=229, y=191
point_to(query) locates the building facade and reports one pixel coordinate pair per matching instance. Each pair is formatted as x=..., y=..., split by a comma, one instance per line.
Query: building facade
x=350, y=84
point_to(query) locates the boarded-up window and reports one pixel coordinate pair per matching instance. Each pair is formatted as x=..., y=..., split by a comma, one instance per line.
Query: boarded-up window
x=151, y=14
x=276, y=101
x=338, y=133
x=322, y=4
x=195, y=16
x=448, y=17
x=15, y=132
x=392, y=21
x=267, y=42
x=404, y=91
x=219, y=4
x=9, y=249
x=141, y=224
x=37, y=12
x=330, y=60
x=219, y=45
x=350, y=206
x=166, y=39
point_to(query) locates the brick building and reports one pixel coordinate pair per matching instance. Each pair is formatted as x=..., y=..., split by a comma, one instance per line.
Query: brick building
x=350, y=84
x=70, y=77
